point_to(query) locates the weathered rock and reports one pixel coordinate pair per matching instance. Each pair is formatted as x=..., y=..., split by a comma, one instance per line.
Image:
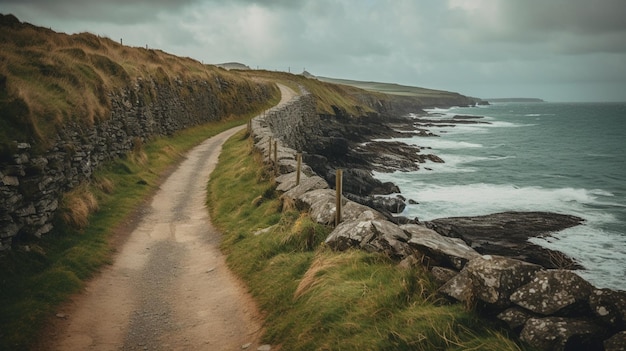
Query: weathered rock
x=355, y=211
x=371, y=236
x=288, y=181
x=610, y=307
x=616, y=343
x=291, y=165
x=386, y=204
x=306, y=185
x=451, y=252
x=554, y=291
x=306, y=200
x=491, y=279
x=442, y=274
x=507, y=234
x=558, y=333
x=515, y=317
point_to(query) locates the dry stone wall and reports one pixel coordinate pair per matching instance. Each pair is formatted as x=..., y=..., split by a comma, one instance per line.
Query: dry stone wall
x=31, y=183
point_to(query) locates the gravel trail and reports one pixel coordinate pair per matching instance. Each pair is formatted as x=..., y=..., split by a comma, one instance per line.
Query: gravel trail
x=169, y=287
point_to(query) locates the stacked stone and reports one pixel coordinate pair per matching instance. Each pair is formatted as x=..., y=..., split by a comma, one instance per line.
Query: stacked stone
x=32, y=183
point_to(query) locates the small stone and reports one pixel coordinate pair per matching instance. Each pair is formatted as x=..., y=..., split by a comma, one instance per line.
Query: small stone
x=61, y=315
x=264, y=348
x=246, y=346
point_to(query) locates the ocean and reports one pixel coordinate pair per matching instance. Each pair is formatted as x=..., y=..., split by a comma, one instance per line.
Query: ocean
x=567, y=158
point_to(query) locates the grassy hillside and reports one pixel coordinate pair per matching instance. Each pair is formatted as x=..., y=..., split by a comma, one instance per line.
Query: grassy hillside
x=318, y=299
x=327, y=94
x=391, y=88
x=48, y=79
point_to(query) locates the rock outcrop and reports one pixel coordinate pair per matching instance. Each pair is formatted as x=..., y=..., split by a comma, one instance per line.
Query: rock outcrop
x=507, y=234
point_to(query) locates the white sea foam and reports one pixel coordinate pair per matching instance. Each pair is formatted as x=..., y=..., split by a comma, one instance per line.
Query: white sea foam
x=438, y=201
x=438, y=143
x=601, y=252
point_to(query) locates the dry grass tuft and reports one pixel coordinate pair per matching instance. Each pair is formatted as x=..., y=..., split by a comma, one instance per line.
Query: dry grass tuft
x=105, y=185
x=287, y=204
x=76, y=207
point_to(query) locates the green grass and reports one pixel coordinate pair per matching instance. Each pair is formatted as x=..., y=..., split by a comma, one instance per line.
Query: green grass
x=316, y=299
x=34, y=282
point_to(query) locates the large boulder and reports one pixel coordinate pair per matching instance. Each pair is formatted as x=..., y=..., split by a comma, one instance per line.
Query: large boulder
x=451, y=252
x=393, y=204
x=553, y=291
x=442, y=274
x=616, y=342
x=288, y=181
x=306, y=185
x=371, y=236
x=515, y=317
x=490, y=279
x=354, y=211
x=321, y=204
x=558, y=333
x=610, y=307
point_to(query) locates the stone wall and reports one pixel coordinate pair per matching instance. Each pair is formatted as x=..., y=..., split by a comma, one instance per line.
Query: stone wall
x=294, y=124
x=32, y=183
x=551, y=309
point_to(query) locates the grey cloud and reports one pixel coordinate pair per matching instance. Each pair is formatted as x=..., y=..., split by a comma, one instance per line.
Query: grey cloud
x=98, y=11
x=568, y=26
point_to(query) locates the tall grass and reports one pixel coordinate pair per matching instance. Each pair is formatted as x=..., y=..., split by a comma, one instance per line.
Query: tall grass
x=316, y=299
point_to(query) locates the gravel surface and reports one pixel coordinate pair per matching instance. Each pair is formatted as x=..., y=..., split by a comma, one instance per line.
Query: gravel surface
x=169, y=287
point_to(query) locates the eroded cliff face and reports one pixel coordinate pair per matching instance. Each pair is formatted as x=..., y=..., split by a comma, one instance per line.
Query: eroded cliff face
x=32, y=182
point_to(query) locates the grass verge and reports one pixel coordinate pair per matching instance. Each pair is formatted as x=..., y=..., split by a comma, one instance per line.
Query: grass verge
x=316, y=299
x=35, y=279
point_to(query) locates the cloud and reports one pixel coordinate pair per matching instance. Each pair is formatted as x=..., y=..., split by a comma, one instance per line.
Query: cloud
x=566, y=26
x=459, y=45
x=98, y=11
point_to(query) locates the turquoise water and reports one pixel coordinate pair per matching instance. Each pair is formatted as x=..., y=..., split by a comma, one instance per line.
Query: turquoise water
x=562, y=157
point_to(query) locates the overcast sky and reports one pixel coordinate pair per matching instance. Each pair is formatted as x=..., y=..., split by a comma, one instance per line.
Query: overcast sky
x=558, y=50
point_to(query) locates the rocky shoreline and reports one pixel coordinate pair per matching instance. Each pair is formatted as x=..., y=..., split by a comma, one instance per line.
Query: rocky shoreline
x=550, y=309
x=363, y=145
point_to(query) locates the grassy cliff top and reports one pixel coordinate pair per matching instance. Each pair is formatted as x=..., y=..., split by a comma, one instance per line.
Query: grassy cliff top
x=49, y=78
x=391, y=88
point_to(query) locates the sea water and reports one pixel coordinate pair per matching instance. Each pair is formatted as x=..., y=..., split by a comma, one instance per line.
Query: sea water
x=567, y=158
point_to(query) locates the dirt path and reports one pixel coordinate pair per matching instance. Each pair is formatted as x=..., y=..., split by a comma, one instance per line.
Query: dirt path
x=168, y=287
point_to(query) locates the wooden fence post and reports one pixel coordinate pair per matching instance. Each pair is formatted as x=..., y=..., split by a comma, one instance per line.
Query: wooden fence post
x=269, y=152
x=299, y=166
x=338, y=186
x=276, y=156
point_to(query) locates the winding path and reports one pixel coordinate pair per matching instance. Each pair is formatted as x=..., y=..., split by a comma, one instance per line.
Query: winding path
x=169, y=287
